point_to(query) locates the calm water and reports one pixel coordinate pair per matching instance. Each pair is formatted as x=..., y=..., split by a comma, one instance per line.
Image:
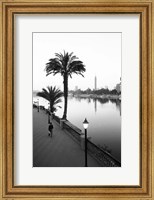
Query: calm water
x=104, y=118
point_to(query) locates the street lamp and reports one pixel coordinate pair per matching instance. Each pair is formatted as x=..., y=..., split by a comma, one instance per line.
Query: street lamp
x=49, y=113
x=85, y=125
x=38, y=104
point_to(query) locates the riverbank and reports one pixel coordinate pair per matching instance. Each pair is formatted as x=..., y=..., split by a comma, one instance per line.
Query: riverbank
x=98, y=153
x=104, y=96
x=60, y=150
x=104, y=116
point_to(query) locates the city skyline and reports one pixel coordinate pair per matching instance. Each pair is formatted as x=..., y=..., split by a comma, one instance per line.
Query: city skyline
x=95, y=86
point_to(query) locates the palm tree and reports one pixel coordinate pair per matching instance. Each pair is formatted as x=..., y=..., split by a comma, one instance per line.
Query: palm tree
x=66, y=64
x=53, y=95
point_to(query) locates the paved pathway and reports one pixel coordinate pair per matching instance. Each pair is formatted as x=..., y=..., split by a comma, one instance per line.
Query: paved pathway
x=60, y=150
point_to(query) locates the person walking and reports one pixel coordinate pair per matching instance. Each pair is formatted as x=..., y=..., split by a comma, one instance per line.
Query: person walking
x=50, y=129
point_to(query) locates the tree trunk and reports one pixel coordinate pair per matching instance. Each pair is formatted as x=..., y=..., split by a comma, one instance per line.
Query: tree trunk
x=51, y=107
x=65, y=82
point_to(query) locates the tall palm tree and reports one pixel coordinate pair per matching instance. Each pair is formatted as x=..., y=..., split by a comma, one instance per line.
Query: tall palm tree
x=66, y=64
x=53, y=95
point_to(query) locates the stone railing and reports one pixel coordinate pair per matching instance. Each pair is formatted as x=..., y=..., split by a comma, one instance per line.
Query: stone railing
x=56, y=118
x=104, y=158
x=73, y=130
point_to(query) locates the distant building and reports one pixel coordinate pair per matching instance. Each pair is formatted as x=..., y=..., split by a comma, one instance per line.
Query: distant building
x=118, y=87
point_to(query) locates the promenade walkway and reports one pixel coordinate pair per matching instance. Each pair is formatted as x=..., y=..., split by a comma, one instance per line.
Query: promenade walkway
x=60, y=150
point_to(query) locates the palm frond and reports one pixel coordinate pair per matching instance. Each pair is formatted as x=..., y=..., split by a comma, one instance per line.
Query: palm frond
x=64, y=63
x=51, y=94
x=58, y=101
x=43, y=95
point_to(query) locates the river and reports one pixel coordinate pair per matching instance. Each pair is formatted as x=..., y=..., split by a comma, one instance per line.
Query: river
x=104, y=117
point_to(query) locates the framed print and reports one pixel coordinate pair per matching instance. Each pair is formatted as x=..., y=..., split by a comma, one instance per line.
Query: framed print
x=76, y=99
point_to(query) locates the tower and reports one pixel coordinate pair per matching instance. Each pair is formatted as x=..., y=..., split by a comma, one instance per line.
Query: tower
x=95, y=86
x=76, y=88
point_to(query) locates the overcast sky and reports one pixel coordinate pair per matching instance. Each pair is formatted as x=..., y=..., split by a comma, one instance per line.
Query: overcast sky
x=100, y=53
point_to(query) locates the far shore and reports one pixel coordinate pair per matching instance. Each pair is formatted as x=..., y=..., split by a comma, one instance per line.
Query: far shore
x=104, y=96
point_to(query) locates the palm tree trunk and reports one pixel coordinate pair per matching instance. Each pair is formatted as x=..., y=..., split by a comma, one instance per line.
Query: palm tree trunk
x=65, y=95
x=51, y=106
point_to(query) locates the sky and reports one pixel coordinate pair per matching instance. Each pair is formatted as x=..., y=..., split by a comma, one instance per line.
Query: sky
x=99, y=52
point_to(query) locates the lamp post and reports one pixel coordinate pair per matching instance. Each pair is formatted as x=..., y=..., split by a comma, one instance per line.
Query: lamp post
x=85, y=125
x=49, y=113
x=38, y=104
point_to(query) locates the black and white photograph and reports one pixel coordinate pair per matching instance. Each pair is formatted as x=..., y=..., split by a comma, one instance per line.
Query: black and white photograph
x=76, y=96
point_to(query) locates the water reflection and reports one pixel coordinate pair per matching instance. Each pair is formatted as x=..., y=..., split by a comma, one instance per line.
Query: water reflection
x=104, y=115
x=103, y=100
x=118, y=104
x=95, y=103
x=89, y=100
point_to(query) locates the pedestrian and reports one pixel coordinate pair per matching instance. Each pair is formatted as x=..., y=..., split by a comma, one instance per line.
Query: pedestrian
x=50, y=129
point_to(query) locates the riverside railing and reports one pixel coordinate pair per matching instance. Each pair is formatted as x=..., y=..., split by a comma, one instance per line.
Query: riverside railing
x=104, y=158
x=56, y=118
x=73, y=130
